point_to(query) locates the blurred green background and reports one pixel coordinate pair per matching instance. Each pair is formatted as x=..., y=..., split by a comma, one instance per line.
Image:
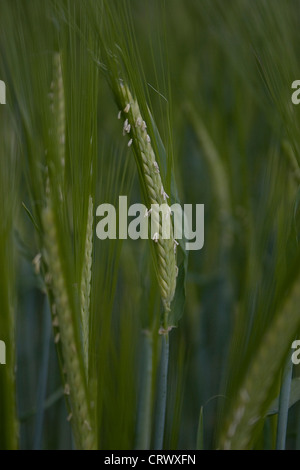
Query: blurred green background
x=218, y=77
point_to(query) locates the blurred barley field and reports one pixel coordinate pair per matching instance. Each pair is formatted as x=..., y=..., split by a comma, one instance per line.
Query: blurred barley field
x=120, y=344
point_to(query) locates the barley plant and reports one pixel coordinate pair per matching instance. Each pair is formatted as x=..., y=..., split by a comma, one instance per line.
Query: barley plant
x=122, y=343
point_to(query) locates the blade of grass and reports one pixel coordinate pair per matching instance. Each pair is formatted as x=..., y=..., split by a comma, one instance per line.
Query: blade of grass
x=200, y=432
x=284, y=404
x=161, y=394
x=143, y=433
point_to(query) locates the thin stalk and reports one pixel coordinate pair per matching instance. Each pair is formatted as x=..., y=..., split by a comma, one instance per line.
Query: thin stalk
x=162, y=394
x=143, y=434
x=200, y=436
x=284, y=405
x=42, y=388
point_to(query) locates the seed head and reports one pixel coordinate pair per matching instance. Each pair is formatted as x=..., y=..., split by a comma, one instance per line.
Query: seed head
x=155, y=195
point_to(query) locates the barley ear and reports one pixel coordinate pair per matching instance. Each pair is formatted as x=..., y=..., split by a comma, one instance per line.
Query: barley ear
x=75, y=380
x=165, y=248
x=58, y=107
x=85, y=290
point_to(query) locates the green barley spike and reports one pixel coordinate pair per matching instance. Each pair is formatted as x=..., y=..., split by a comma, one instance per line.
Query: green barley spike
x=86, y=284
x=58, y=96
x=75, y=381
x=165, y=251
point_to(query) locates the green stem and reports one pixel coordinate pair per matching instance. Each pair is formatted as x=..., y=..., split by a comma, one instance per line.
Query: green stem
x=42, y=387
x=284, y=405
x=143, y=434
x=162, y=394
x=200, y=436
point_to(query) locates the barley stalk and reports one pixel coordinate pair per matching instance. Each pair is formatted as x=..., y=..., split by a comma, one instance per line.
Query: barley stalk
x=75, y=385
x=162, y=394
x=143, y=428
x=75, y=381
x=165, y=250
x=283, y=407
x=86, y=284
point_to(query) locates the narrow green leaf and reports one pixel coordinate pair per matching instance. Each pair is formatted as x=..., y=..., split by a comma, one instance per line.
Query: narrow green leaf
x=200, y=432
